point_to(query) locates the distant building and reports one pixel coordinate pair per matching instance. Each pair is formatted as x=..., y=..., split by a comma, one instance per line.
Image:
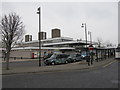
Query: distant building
x=30, y=49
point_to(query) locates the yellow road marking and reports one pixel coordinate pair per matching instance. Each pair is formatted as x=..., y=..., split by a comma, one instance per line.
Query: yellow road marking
x=109, y=64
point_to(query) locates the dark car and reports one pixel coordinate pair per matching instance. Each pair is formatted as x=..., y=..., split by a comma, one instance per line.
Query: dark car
x=56, y=59
x=74, y=58
x=47, y=56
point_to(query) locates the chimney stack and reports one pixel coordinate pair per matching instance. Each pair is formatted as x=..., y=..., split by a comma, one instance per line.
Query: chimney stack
x=28, y=38
x=56, y=33
x=41, y=35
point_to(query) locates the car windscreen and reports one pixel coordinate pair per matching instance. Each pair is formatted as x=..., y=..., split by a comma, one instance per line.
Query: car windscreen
x=72, y=55
x=84, y=53
x=62, y=56
x=53, y=56
x=49, y=55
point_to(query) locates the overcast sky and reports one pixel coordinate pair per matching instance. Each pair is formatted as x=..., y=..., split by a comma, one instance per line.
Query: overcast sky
x=101, y=18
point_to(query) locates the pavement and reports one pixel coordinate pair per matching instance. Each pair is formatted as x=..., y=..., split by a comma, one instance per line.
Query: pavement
x=82, y=65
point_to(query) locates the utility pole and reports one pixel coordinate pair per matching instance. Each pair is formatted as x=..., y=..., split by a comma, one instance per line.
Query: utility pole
x=39, y=12
x=91, y=47
x=87, y=57
x=90, y=37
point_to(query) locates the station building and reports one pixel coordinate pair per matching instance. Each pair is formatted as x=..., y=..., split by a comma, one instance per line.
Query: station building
x=30, y=48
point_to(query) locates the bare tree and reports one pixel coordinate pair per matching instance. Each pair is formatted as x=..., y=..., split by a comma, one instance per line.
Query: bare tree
x=118, y=45
x=11, y=32
x=109, y=44
x=99, y=40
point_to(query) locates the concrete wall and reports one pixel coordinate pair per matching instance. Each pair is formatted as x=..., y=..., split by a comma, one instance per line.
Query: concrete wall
x=21, y=53
x=35, y=44
x=29, y=53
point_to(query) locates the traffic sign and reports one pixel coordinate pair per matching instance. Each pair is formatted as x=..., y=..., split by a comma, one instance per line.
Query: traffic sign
x=91, y=47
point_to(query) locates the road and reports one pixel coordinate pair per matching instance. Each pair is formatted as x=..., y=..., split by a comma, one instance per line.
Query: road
x=104, y=77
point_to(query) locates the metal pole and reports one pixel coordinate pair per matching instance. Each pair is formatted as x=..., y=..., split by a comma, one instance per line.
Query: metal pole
x=39, y=10
x=86, y=36
x=91, y=37
x=40, y=36
x=88, y=58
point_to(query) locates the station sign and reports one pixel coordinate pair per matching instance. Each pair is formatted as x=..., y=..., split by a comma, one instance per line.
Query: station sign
x=90, y=47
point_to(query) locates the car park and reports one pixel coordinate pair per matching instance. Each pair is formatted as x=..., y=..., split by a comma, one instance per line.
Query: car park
x=56, y=59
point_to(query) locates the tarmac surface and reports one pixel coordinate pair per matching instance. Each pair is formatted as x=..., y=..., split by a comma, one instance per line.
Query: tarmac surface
x=82, y=65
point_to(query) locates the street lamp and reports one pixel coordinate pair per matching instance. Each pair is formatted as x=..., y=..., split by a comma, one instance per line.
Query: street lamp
x=84, y=26
x=87, y=57
x=89, y=33
x=91, y=47
x=39, y=10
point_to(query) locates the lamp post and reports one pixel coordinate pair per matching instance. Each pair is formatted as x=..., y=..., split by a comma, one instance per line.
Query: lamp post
x=84, y=26
x=91, y=47
x=87, y=57
x=39, y=10
x=89, y=33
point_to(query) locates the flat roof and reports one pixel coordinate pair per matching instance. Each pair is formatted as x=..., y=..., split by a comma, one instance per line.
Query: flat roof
x=68, y=38
x=69, y=42
x=32, y=48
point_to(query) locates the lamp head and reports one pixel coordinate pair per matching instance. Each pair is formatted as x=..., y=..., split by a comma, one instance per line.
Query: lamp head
x=38, y=9
x=82, y=26
x=38, y=12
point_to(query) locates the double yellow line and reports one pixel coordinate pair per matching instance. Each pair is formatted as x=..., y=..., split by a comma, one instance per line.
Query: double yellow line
x=109, y=63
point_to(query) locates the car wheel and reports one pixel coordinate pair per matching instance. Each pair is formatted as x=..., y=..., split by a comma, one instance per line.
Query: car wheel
x=66, y=61
x=53, y=63
x=45, y=63
x=74, y=60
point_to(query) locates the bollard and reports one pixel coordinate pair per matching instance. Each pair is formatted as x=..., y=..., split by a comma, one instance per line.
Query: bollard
x=88, y=60
x=91, y=57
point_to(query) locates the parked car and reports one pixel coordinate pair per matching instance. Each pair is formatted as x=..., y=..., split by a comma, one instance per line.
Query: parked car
x=47, y=56
x=56, y=59
x=74, y=58
x=83, y=55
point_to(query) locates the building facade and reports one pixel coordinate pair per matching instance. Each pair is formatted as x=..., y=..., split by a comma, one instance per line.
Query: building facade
x=60, y=44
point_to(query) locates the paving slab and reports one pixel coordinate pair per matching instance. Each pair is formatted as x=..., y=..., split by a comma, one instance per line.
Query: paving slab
x=53, y=68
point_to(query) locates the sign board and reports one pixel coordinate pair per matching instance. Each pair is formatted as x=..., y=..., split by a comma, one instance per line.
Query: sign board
x=35, y=55
x=91, y=47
